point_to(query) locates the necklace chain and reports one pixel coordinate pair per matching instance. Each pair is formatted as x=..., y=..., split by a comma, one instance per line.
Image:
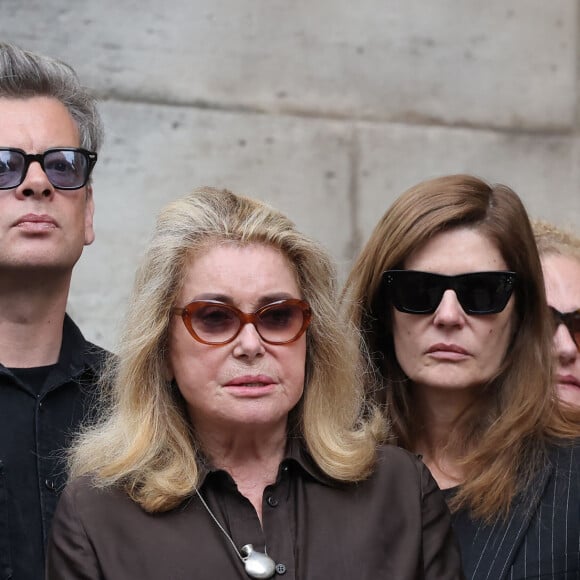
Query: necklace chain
x=219, y=525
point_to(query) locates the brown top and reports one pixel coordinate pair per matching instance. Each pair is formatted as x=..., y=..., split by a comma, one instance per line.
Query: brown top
x=395, y=525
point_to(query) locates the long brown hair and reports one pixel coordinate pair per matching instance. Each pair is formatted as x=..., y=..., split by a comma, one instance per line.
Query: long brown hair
x=503, y=437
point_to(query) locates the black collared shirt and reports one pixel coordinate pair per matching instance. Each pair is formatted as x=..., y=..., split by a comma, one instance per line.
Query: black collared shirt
x=395, y=525
x=35, y=428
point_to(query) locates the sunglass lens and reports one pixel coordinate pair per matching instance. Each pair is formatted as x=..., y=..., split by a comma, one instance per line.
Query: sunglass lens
x=11, y=169
x=484, y=293
x=280, y=323
x=415, y=292
x=556, y=317
x=214, y=323
x=66, y=169
x=573, y=325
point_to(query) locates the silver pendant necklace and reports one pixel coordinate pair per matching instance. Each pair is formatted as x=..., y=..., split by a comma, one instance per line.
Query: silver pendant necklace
x=257, y=564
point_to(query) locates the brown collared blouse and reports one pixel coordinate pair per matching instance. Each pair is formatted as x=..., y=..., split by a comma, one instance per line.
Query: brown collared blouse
x=394, y=525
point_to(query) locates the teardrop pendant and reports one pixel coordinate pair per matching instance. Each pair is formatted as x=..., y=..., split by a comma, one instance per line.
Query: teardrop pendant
x=257, y=564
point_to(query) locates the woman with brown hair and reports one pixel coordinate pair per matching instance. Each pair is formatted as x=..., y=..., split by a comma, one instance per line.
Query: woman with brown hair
x=448, y=294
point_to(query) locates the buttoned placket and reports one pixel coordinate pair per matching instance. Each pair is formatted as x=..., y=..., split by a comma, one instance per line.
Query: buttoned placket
x=47, y=487
x=279, y=525
x=275, y=534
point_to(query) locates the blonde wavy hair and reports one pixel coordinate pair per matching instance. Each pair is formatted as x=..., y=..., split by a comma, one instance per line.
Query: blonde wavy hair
x=145, y=443
x=503, y=437
x=554, y=240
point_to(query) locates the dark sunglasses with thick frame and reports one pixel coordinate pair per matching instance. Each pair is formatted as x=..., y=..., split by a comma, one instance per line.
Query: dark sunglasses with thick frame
x=479, y=293
x=217, y=323
x=65, y=167
x=571, y=320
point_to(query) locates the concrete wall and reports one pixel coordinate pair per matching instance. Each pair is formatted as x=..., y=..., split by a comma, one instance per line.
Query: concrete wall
x=328, y=109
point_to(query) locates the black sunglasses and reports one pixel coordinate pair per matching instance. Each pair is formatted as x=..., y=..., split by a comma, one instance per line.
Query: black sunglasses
x=65, y=167
x=417, y=292
x=571, y=320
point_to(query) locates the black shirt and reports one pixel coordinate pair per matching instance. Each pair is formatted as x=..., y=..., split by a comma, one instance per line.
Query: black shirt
x=36, y=421
x=464, y=526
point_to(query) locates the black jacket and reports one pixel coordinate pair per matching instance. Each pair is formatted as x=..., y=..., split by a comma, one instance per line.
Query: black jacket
x=541, y=536
x=34, y=430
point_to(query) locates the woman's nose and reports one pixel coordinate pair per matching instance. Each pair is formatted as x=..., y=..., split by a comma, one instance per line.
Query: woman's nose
x=564, y=346
x=248, y=343
x=449, y=312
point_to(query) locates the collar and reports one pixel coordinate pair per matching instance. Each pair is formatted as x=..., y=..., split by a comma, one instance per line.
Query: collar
x=77, y=353
x=76, y=357
x=296, y=455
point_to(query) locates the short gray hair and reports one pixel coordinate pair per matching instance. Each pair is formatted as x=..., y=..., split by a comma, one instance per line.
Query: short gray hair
x=25, y=74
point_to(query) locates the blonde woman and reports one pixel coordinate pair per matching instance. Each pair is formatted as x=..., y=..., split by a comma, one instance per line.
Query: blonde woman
x=235, y=442
x=560, y=255
x=449, y=296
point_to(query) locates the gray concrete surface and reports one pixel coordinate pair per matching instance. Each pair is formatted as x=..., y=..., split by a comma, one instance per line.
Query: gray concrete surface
x=328, y=109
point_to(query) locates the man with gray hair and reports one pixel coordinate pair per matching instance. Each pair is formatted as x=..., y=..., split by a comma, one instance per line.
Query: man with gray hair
x=50, y=132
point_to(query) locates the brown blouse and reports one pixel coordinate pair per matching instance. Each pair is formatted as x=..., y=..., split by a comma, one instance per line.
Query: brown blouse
x=394, y=525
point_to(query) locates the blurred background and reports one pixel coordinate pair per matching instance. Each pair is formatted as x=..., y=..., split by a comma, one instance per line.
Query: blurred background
x=327, y=109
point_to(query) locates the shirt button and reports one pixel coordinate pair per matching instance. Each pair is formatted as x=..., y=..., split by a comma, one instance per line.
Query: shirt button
x=272, y=501
x=280, y=568
x=49, y=483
